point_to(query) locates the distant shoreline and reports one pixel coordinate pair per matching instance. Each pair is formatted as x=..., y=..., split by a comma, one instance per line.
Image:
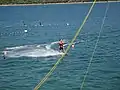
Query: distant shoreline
x=55, y=3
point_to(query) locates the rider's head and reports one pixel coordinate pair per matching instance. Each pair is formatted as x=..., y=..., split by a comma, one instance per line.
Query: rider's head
x=60, y=40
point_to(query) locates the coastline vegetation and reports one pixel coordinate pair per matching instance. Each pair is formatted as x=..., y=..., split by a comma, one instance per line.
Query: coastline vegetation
x=2, y=2
x=5, y=2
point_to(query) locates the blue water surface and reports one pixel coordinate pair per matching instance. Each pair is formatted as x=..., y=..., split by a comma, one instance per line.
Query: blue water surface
x=49, y=23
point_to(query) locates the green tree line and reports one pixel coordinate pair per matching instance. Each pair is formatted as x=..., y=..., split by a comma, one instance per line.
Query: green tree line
x=42, y=1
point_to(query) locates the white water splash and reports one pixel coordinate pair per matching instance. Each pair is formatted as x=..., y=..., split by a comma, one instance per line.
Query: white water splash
x=36, y=50
x=42, y=50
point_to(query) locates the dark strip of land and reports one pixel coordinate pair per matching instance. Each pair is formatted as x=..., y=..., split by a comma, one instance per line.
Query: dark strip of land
x=5, y=2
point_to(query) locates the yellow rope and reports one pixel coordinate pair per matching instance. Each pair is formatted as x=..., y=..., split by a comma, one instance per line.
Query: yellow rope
x=68, y=48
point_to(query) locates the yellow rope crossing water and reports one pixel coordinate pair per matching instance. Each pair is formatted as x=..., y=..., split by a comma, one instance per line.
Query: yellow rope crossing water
x=68, y=48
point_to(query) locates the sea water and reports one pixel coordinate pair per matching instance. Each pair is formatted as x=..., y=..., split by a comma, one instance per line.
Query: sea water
x=30, y=35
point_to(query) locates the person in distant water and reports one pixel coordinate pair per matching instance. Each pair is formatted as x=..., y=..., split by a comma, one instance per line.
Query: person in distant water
x=23, y=23
x=61, y=45
x=4, y=54
x=40, y=23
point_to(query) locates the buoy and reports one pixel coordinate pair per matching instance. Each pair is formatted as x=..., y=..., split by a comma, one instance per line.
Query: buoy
x=73, y=45
x=68, y=24
x=25, y=30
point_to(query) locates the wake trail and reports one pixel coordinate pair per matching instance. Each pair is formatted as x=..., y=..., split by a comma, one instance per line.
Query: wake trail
x=36, y=50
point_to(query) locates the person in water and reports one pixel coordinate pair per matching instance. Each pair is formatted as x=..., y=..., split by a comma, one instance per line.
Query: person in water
x=4, y=54
x=61, y=45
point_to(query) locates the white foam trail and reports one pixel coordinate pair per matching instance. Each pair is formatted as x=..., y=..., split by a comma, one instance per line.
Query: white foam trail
x=42, y=50
x=17, y=47
x=50, y=45
x=34, y=53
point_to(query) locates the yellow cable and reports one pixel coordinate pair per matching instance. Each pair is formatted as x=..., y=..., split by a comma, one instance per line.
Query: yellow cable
x=68, y=48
